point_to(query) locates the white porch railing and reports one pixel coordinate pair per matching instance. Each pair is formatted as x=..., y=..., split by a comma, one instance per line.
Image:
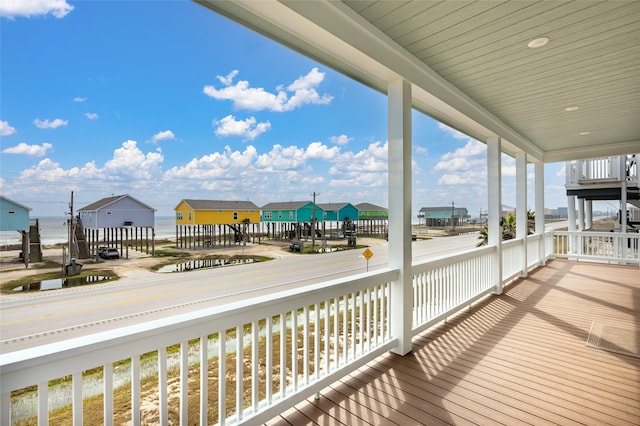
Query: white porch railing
x=602, y=170
x=611, y=247
x=293, y=343
x=446, y=284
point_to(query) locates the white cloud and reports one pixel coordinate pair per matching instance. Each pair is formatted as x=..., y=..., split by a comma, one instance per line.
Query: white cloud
x=340, y=140
x=321, y=151
x=130, y=161
x=6, y=129
x=27, y=8
x=302, y=91
x=282, y=158
x=248, y=129
x=46, y=124
x=91, y=115
x=163, y=136
x=79, y=99
x=30, y=150
x=472, y=148
x=422, y=150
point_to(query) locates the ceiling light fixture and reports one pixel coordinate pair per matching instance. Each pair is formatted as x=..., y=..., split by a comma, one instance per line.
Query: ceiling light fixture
x=571, y=108
x=538, y=42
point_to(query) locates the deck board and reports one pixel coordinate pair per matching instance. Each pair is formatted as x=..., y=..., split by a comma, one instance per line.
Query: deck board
x=517, y=358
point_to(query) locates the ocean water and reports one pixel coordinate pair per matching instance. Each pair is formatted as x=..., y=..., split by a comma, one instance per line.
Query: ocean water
x=53, y=230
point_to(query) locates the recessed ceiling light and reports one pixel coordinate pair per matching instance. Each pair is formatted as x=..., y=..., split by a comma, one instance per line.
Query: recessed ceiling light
x=538, y=42
x=571, y=108
x=584, y=133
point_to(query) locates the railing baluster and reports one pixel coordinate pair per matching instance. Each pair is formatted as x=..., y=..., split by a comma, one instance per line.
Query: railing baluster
x=294, y=349
x=43, y=404
x=184, y=383
x=353, y=310
x=239, y=371
x=135, y=390
x=376, y=323
x=345, y=329
x=204, y=380
x=327, y=335
x=268, y=356
x=5, y=408
x=336, y=333
x=255, y=366
x=76, y=395
x=108, y=394
x=305, y=345
x=316, y=341
x=283, y=356
x=222, y=374
x=162, y=386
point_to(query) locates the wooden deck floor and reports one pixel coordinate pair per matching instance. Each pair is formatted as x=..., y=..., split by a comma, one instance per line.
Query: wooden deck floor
x=515, y=359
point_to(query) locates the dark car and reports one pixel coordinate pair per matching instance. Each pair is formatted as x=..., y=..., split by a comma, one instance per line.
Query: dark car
x=108, y=253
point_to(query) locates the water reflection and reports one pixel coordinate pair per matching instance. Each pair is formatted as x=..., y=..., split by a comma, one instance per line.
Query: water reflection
x=190, y=265
x=59, y=283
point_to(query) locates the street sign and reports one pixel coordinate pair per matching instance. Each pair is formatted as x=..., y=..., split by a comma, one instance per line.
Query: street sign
x=368, y=254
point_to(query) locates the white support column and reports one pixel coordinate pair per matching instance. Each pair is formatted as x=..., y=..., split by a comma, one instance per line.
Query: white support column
x=522, y=224
x=571, y=217
x=581, y=214
x=399, y=125
x=588, y=212
x=494, y=190
x=571, y=212
x=539, y=183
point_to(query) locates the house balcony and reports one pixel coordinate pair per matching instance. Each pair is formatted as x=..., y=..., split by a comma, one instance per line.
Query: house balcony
x=604, y=178
x=326, y=353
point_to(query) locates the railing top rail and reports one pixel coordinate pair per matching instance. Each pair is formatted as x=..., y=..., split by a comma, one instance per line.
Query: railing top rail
x=448, y=259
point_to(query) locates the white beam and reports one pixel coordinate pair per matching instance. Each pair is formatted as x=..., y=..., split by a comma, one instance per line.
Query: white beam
x=539, y=184
x=399, y=127
x=522, y=224
x=494, y=189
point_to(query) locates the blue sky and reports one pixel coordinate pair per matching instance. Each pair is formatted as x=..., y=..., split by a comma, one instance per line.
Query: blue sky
x=166, y=100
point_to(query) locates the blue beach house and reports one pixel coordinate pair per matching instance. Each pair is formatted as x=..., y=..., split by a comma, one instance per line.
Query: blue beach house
x=290, y=219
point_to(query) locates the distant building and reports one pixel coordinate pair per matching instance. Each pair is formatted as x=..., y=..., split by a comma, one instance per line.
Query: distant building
x=13, y=215
x=290, y=219
x=211, y=222
x=125, y=222
x=372, y=219
x=443, y=216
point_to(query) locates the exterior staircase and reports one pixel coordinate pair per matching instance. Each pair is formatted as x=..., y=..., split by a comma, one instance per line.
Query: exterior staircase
x=35, y=246
x=80, y=242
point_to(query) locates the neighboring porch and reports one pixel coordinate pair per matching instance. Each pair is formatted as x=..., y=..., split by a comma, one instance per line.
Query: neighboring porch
x=517, y=358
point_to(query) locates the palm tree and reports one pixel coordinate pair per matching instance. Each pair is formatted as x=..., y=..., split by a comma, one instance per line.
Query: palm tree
x=508, y=228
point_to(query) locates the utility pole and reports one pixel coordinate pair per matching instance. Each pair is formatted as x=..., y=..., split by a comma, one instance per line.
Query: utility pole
x=453, y=222
x=313, y=221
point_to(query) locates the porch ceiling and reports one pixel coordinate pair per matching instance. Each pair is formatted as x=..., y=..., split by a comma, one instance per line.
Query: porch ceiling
x=471, y=68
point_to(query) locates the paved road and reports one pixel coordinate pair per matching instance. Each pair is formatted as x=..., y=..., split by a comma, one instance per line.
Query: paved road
x=33, y=319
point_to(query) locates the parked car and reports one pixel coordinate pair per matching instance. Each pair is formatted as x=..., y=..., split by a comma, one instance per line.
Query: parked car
x=108, y=253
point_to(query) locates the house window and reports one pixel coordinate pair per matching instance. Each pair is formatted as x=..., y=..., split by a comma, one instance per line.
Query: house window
x=189, y=215
x=109, y=213
x=179, y=216
x=12, y=212
x=290, y=214
x=279, y=215
x=267, y=215
x=324, y=215
x=235, y=215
